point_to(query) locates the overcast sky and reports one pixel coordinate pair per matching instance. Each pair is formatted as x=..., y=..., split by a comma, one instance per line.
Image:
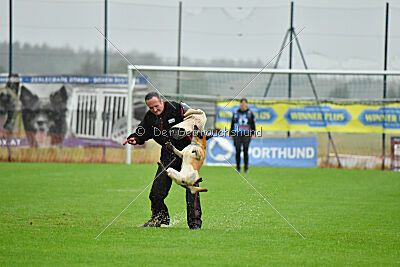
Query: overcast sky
x=339, y=34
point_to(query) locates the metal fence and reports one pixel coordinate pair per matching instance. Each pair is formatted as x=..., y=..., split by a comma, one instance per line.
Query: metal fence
x=335, y=36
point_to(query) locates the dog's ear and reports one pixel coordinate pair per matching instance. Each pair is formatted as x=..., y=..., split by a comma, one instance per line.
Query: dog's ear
x=29, y=104
x=208, y=136
x=59, y=98
x=27, y=98
x=197, y=132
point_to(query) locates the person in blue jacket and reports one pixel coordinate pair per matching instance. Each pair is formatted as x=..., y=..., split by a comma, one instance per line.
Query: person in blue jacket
x=242, y=131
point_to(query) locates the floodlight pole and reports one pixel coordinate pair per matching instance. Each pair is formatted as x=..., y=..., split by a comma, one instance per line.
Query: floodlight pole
x=179, y=47
x=290, y=56
x=385, y=83
x=10, y=64
x=10, y=44
x=105, y=35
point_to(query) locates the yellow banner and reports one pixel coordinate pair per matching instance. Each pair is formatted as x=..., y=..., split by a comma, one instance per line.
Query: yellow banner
x=308, y=116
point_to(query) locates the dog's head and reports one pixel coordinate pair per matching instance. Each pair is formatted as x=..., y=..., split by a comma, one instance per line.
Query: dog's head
x=44, y=115
x=200, y=136
x=36, y=111
x=8, y=105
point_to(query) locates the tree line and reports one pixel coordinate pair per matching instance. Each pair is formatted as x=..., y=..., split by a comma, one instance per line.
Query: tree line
x=45, y=59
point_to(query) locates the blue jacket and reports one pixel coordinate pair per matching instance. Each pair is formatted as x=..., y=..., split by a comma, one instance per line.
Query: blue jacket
x=243, y=122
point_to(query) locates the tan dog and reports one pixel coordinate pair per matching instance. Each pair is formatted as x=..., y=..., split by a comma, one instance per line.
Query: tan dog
x=192, y=118
x=192, y=159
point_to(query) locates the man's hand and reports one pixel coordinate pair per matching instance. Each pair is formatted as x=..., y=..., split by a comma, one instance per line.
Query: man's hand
x=231, y=137
x=169, y=145
x=131, y=141
x=252, y=137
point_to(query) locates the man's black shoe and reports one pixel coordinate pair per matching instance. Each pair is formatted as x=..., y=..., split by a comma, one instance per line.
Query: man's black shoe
x=156, y=222
x=165, y=221
x=195, y=228
x=153, y=222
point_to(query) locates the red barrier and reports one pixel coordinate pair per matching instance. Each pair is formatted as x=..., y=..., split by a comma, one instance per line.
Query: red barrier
x=33, y=147
x=361, y=151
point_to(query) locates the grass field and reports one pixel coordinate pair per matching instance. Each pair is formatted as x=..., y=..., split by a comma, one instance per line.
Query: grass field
x=50, y=214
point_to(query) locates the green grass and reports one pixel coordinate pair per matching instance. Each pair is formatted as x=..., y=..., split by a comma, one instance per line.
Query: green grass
x=348, y=217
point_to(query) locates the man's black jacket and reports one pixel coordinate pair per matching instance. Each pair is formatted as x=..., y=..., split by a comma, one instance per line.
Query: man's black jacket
x=157, y=128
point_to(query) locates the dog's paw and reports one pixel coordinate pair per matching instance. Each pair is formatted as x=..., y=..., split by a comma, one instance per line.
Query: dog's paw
x=169, y=145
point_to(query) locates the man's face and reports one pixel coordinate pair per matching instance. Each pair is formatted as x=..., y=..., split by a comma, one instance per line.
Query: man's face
x=155, y=105
x=243, y=105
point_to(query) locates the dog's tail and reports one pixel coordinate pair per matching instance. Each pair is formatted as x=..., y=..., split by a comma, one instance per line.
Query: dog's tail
x=196, y=189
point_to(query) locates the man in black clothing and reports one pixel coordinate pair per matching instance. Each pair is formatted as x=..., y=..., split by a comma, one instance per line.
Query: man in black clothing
x=156, y=125
x=243, y=129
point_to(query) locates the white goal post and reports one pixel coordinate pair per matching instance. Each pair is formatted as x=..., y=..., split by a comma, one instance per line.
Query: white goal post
x=137, y=71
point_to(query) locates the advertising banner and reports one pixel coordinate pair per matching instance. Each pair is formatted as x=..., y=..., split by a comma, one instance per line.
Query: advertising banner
x=45, y=110
x=278, y=152
x=308, y=116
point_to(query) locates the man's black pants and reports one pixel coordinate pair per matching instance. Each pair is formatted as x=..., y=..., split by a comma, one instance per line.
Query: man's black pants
x=240, y=141
x=159, y=191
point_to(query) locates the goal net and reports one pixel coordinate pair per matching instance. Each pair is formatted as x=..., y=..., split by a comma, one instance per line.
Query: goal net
x=329, y=101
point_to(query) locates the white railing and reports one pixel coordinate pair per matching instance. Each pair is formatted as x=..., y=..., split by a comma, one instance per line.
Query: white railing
x=259, y=70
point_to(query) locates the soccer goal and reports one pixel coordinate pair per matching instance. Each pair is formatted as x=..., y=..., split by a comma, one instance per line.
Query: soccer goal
x=351, y=112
